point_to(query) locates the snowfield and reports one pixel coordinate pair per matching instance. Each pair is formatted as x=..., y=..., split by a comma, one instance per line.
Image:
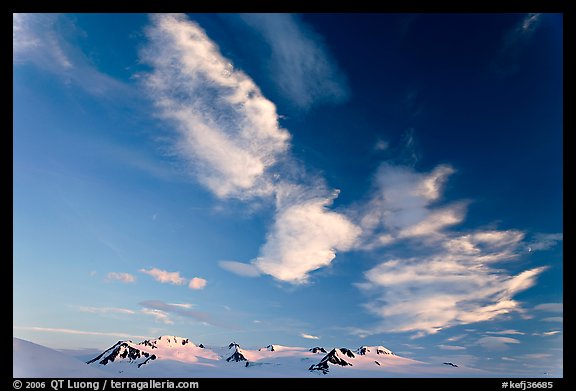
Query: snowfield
x=171, y=356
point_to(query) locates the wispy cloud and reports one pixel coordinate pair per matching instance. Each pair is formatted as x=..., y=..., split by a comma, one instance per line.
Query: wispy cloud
x=165, y=277
x=545, y=241
x=163, y=310
x=506, y=332
x=536, y=356
x=399, y=206
x=80, y=332
x=496, y=343
x=182, y=305
x=45, y=41
x=301, y=65
x=197, y=283
x=451, y=347
x=514, y=42
x=240, y=268
x=159, y=315
x=228, y=130
x=308, y=336
x=122, y=277
x=106, y=310
x=553, y=319
x=449, y=278
x=550, y=307
x=547, y=333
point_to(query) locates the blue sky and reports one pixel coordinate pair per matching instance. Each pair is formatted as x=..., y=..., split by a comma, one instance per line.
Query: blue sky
x=316, y=179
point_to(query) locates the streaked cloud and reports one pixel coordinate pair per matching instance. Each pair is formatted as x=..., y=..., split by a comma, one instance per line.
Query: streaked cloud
x=182, y=305
x=535, y=356
x=45, y=41
x=545, y=241
x=496, y=343
x=80, y=332
x=106, y=310
x=451, y=347
x=162, y=311
x=122, y=277
x=506, y=332
x=301, y=65
x=550, y=307
x=165, y=277
x=239, y=268
x=228, y=131
x=159, y=315
x=547, y=333
x=308, y=336
x=197, y=283
x=554, y=319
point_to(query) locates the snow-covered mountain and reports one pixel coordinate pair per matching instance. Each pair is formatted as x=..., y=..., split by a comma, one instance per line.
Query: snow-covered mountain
x=33, y=360
x=171, y=356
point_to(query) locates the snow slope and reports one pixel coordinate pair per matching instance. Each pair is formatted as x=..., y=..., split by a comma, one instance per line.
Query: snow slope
x=32, y=360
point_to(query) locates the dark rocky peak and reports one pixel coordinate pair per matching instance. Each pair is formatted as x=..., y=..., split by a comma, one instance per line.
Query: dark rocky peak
x=270, y=348
x=233, y=345
x=347, y=352
x=334, y=358
x=451, y=364
x=122, y=350
x=317, y=349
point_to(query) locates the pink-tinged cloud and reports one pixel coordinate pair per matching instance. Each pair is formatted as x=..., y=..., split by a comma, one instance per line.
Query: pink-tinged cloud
x=165, y=277
x=197, y=283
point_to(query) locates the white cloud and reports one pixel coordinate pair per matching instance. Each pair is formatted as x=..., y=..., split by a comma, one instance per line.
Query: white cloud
x=496, y=343
x=181, y=305
x=159, y=315
x=239, y=268
x=165, y=277
x=536, y=356
x=451, y=347
x=228, y=130
x=449, y=278
x=308, y=336
x=106, y=310
x=197, y=283
x=550, y=307
x=304, y=238
x=399, y=206
x=45, y=41
x=301, y=65
x=123, y=277
x=80, y=332
x=162, y=311
x=547, y=333
x=456, y=338
x=506, y=332
x=554, y=319
x=545, y=241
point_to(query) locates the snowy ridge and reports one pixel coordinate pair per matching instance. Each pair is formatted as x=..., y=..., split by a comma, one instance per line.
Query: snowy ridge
x=171, y=356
